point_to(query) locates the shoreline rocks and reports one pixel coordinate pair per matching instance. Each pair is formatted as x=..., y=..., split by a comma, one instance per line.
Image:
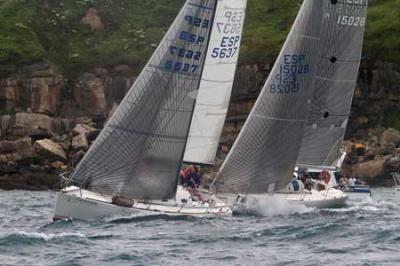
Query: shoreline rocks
x=49, y=122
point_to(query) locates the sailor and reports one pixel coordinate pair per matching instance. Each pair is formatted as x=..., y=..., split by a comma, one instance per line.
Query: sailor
x=184, y=175
x=194, y=178
x=352, y=181
x=306, y=179
x=325, y=176
x=191, y=179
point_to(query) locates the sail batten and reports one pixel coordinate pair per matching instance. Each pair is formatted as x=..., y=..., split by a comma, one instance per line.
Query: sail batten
x=138, y=154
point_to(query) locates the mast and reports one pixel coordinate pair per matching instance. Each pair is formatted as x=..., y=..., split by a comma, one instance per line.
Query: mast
x=139, y=152
x=213, y=97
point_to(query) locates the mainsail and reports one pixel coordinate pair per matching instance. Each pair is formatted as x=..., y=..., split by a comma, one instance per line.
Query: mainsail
x=335, y=83
x=264, y=155
x=139, y=152
x=216, y=85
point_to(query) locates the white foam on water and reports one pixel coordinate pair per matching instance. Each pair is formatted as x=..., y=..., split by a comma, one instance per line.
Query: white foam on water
x=271, y=206
x=47, y=237
x=368, y=204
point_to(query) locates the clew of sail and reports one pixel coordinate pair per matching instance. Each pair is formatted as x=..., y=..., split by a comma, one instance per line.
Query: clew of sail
x=329, y=108
x=138, y=154
x=264, y=154
x=216, y=85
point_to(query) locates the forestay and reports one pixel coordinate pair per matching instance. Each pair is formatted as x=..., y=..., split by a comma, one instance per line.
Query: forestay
x=216, y=84
x=264, y=155
x=139, y=152
x=329, y=108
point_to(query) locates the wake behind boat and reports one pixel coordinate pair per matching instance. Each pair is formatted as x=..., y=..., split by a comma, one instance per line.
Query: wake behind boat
x=134, y=164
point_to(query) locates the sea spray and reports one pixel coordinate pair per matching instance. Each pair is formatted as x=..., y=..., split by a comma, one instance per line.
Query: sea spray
x=269, y=206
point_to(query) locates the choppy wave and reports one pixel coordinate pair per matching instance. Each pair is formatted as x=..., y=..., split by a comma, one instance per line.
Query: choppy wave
x=22, y=237
x=276, y=233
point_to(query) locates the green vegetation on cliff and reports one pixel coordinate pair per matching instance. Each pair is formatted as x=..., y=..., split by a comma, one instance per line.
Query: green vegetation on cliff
x=126, y=31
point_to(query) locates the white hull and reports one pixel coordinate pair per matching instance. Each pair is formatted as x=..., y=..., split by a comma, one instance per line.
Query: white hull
x=331, y=198
x=81, y=204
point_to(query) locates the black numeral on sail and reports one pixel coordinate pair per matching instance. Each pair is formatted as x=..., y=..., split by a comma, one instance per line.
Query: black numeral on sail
x=184, y=53
x=197, y=22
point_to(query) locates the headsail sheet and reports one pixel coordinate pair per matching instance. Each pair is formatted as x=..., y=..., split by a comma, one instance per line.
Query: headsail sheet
x=335, y=82
x=138, y=154
x=264, y=155
x=216, y=85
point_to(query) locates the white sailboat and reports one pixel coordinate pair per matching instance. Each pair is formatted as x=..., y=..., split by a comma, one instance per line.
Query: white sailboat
x=298, y=107
x=133, y=166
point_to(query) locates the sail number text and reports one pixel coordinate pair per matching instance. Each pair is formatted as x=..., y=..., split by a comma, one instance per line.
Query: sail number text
x=180, y=67
x=197, y=22
x=351, y=21
x=228, y=47
x=286, y=80
x=232, y=24
x=186, y=54
x=229, y=26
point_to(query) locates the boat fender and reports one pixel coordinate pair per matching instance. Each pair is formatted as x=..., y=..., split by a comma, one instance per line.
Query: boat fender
x=121, y=201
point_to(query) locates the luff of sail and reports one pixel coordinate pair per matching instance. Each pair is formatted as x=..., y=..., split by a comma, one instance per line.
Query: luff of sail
x=335, y=82
x=138, y=154
x=216, y=85
x=264, y=154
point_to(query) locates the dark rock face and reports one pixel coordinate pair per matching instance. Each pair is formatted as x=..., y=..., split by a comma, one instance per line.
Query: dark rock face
x=18, y=151
x=52, y=120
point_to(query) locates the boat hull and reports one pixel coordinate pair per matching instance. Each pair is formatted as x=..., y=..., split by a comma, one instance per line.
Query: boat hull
x=331, y=198
x=90, y=206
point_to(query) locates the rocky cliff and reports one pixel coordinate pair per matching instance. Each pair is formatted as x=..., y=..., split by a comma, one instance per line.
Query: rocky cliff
x=66, y=65
x=49, y=121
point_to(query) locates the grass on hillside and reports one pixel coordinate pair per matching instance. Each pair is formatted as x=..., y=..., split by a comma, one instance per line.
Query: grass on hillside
x=36, y=30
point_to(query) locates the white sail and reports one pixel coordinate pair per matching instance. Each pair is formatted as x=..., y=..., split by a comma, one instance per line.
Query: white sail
x=216, y=85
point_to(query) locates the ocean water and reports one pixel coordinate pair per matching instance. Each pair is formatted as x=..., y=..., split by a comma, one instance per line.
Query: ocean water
x=367, y=233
